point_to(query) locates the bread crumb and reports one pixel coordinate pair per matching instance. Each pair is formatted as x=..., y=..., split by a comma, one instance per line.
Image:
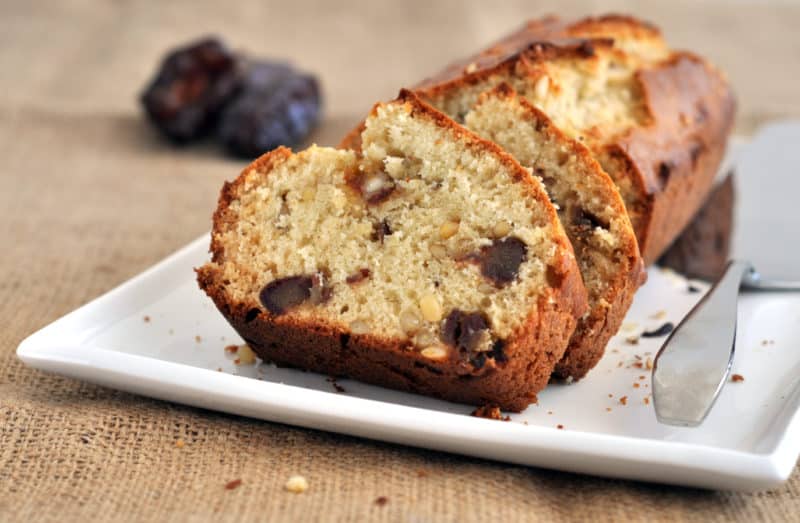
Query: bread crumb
x=146, y=319
x=198, y=339
x=632, y=340
x=737, y=378
x=338, y=388
x=179, y=443
x=624, y=400
x=646, y=401
x=629, y=327
x=638, y=365
x=490, y=412
x=381, y=501
x=635, y=384
x=560, y=426
x=649, y=363
x=233, y=484
x=659, y=315
x=296, y=484
x=610, y=395
x=608, y=409
x=231, y=349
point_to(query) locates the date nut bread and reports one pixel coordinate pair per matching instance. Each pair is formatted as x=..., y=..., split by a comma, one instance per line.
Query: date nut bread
x=430, y=262
x=657, y=120
x=589, y=207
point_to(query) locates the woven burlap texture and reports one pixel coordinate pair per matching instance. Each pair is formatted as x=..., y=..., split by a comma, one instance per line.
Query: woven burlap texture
x=90, y=197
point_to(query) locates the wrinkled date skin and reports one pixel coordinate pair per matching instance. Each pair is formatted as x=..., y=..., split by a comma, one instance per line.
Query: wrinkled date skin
x=275, y=106
x=190, y=89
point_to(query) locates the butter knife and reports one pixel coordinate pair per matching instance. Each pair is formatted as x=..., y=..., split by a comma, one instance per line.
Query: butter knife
x=694, y=362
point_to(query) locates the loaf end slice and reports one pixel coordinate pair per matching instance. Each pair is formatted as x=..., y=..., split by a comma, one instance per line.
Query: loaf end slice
x=431, y=262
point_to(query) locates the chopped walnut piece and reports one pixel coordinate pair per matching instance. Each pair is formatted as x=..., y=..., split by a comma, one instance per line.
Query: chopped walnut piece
x=296, y=484
x=246, y=355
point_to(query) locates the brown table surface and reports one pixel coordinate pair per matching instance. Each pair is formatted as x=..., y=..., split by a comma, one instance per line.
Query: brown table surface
x=91, y=197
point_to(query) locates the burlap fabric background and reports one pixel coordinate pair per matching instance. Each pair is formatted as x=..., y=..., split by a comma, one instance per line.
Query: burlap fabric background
x=91, y=197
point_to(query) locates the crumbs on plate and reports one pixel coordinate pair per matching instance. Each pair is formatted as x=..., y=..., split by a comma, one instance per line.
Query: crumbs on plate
x=489, y=412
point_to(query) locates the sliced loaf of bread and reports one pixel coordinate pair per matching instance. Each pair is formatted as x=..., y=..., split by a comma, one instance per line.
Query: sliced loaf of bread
x=430, y=261
x=589, y=207
x=657, y=120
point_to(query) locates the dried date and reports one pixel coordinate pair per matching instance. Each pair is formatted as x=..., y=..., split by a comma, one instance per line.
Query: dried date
x=275, y=106
x=190, y=89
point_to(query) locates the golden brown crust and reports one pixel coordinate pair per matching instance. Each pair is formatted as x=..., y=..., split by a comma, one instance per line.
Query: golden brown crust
x=683, y=87
x=675, y=159
x=531, y=351
x=352, y=140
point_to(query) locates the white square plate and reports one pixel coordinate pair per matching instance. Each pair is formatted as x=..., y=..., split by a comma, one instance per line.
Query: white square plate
x=158, y=335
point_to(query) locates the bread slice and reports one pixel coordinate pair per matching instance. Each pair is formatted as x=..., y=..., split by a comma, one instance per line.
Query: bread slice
x=589, y=207
x=657, y=120
x=431, y=262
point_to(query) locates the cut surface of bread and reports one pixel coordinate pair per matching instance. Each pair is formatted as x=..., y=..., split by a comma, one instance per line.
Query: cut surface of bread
x=431, y=261
x=656, y=120
x=589, y=207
